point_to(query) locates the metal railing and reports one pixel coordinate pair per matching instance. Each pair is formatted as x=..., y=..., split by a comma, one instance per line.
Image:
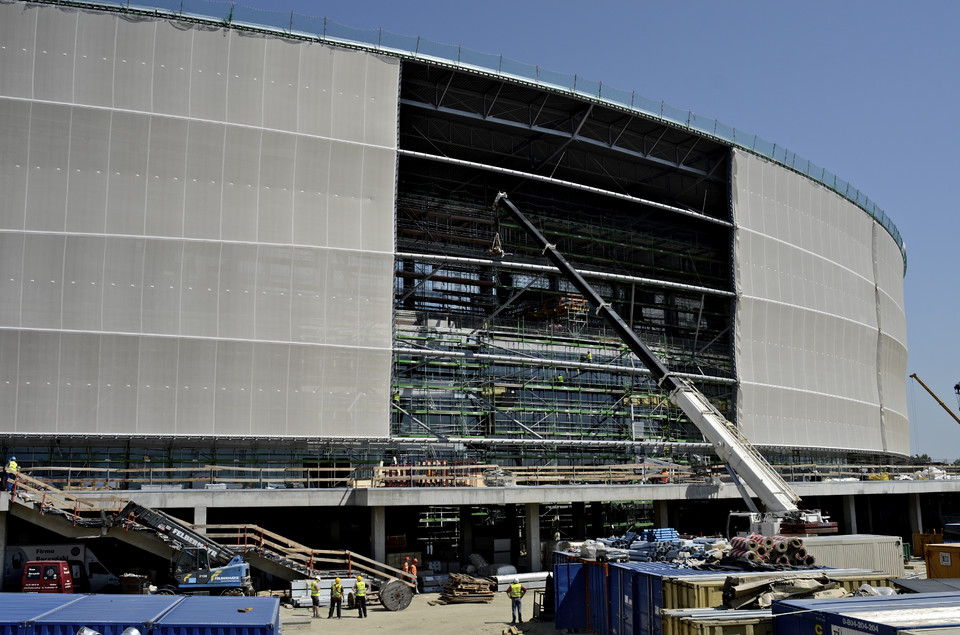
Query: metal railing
x=66, y=480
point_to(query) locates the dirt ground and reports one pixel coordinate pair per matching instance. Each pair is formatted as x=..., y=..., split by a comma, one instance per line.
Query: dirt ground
x=420, y=618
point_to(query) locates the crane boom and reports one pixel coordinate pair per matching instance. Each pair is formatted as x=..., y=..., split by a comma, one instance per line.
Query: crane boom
x=731, y=446
x=933, y=394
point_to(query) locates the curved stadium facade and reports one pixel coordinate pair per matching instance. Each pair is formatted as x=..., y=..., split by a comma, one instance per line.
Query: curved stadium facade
x=237, y=243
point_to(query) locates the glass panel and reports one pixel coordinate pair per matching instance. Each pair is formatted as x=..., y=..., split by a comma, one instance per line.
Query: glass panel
x=11, y=264
x=166, y=186
x=310, y=191
x=281, y=75
x=89, y=169
x=195, y=391
x=275, y=204
x=83, y=283
x=127, y=184
x=245, y=79
x=42, y=281
x=234, y=375
x=161, y=286
x=94, y=59
x=119, y=365
x=47, y=186
x=273, y=293
x=157, y=401
x=238, y=273
x=79, y=383
x=135, y=44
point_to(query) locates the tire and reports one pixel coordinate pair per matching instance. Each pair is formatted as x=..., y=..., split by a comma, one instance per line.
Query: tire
x=235, y=592
x=167, y=590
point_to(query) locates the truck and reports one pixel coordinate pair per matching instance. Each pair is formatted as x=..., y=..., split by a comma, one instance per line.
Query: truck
x=47, y=576
x=782, y=512
x=200, y=566
x=88, y=573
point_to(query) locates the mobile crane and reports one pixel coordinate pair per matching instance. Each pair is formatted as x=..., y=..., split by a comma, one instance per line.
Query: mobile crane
x=934, y=395
x=782, y=513
x=201, y=566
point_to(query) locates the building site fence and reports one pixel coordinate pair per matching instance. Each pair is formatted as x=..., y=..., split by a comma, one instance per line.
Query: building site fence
x=438, y=473
x=293, y=24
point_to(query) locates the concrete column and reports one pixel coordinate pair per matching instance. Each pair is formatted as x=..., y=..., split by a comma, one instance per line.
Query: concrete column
x=3, y=539
x=200, y=517
x=580, y=521
x=850, y=506
x=466, y=532
x=916, y=517
x=533, y=536
x=661, y=514
x=378, y=533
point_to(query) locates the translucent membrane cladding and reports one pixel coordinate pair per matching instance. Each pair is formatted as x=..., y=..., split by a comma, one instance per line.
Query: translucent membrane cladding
x=820, y=325
x=196, y=232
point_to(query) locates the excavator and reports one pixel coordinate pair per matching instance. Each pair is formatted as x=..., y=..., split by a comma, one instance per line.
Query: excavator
x=782, y=513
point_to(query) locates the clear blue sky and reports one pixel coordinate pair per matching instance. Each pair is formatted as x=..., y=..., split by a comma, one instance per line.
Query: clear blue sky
x=865, y=88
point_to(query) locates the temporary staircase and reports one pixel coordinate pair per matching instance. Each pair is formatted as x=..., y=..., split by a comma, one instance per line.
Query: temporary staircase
x=159, y=533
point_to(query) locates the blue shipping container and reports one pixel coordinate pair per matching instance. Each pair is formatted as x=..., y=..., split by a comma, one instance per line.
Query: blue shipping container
x=636, y=595
x=570, y=593
x=597, y=596
x=221, y=616
x=885, y=615
x=106, y=614
x=16, y=608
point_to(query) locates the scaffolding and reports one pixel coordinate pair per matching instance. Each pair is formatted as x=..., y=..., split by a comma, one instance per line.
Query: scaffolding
x=485, y=349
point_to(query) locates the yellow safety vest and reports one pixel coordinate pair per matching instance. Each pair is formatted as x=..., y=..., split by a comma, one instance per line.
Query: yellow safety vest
x=361, y=589
x=336, y=591
x=516, y=591
x=12, y=467
x=315, y=589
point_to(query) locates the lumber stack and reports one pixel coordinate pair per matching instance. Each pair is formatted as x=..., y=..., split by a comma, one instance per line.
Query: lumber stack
x=460, y=589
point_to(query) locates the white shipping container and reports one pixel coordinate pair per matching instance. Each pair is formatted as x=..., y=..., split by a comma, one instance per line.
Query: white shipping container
x=858, y=551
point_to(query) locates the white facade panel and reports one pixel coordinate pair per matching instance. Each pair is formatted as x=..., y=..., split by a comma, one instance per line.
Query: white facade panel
x=209, y=229
x=819, y=325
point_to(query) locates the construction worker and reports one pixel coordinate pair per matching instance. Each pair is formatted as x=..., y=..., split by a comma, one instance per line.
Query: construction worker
x=516, y=592
x=10, y=474
x=361, y=590
x=336, y=598
x=406, y=565
x=315, y=596
x=413, y=576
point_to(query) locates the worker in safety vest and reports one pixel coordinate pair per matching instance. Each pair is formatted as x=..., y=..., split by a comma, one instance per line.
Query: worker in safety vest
x=336, y=598
x=10, y=474
x=413, y=575
x=361, y=595
x=516, y=592
x=406, y=564
x=315, y=596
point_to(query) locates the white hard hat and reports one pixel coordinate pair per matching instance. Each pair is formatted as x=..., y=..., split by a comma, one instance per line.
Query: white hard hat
x=516, y=580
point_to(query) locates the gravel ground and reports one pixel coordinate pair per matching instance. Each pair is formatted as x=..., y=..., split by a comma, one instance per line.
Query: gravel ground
x=420, y=619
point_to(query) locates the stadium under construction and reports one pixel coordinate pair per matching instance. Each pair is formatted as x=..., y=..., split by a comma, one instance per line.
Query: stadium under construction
x=268, y=241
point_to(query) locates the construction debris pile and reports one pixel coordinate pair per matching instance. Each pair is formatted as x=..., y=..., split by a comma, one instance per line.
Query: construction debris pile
x=752, y=592
x=462, y=589
x=665, y=545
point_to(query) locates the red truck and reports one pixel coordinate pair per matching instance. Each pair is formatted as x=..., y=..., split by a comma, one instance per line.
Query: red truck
x=47, y=576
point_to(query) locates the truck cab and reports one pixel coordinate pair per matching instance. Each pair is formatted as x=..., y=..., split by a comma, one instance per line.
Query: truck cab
x=47, y=576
